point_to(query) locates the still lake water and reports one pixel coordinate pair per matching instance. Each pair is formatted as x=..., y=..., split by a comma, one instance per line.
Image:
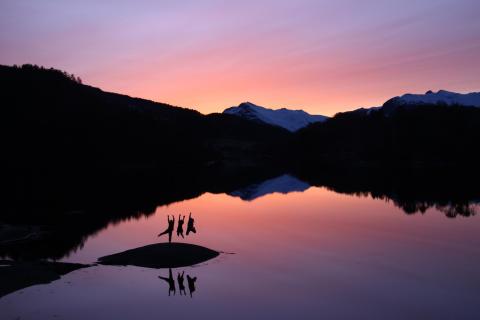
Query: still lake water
x=314, y=254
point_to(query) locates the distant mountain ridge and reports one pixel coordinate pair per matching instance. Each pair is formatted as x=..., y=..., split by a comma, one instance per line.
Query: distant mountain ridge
x=432, y=130
x=441, y=97
x=410, y=100
x=292, y=120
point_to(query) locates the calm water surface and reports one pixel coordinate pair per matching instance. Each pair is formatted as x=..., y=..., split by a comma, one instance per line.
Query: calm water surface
x=303, y=255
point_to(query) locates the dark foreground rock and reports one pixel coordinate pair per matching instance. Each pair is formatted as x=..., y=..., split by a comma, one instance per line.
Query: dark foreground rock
x=161, y=255
x=19, y=275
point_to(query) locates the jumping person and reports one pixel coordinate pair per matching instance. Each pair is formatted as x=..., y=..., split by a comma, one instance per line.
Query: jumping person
x=190, y=226
x=180, y=226
x=169, y=230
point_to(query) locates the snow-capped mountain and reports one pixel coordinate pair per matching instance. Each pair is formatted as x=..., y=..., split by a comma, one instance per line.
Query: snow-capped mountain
x=282, y=184
x=441, y=97
x=291, y=120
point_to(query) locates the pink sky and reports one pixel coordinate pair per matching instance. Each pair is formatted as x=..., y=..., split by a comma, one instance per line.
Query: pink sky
x=320, y=56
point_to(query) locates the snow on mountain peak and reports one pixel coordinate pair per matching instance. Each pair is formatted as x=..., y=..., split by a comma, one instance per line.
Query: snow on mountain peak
x=282, y=184
x=442, y=96
x=291, y=120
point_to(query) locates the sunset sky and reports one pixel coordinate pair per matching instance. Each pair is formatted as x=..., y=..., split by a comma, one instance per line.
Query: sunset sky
x=321, y=56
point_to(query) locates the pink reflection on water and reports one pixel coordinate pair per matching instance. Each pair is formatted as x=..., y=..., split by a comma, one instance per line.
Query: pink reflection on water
x=316, y=254
x=307, y=225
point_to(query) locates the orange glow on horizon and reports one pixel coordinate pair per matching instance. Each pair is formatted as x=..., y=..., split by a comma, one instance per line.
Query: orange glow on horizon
x=212, y=55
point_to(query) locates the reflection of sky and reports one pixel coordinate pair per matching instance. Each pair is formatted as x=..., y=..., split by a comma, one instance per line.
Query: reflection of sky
x=309, y=255
x=324, y=56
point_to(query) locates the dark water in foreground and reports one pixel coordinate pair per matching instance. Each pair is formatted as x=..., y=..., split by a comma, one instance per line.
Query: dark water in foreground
x=309, y=254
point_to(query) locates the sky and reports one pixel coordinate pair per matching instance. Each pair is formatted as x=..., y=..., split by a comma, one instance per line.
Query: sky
x=322, y=56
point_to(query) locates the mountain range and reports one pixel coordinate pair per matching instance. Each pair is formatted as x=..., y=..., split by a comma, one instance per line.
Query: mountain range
x=416, y=131
x=440, y=98
x=294, y=120
x=54, y=121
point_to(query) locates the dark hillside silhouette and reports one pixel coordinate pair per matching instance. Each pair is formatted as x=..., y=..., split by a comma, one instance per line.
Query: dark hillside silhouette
x=452, y=192
x=426, y=136
x=52, y=120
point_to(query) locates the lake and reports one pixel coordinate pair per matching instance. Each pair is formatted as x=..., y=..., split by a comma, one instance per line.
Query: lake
x=288, y=251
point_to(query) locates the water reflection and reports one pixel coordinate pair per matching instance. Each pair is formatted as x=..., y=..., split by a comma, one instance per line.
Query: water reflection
x=15, y=276
x=170, y=281
x=181, y=286
x=283, y=184
x=191, y=285
x=61, y=231
x=452, y=192
x=308, y=255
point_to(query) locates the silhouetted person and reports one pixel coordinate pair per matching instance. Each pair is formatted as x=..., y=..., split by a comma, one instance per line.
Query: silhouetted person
x=191, y=285
x=169, y=230
x=180, y=226
x=170, y=281
x=190, y=226
x=181, y=286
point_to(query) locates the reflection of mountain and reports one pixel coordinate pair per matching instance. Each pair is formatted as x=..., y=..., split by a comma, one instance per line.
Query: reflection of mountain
x=452, y=193
x=52, y=216
x=282, y=184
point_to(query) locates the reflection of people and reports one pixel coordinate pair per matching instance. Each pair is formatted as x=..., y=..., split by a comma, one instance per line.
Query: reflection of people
x=181, y=286
x=169, y=230
x=191, y=285
x=190, y=226
x=180, y=226
x=181, y=283
x=170, y=281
